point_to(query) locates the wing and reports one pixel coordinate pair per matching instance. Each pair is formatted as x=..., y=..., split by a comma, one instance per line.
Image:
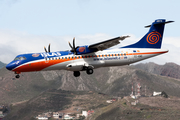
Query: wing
x=107, y=44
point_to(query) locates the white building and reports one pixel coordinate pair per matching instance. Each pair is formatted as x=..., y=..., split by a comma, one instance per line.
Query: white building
x=84, y=113
x=56, y=115
x=67, y=117
x=109, y=101
x=42, y=118
x=157, y=93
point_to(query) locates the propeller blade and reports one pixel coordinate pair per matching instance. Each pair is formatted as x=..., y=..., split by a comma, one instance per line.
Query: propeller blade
x=49, y=48
x=70, y=45
x=74, y=47
x=45, y=49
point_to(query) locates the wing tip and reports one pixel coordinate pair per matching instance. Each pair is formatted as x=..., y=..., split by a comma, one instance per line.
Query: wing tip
x=124, y=37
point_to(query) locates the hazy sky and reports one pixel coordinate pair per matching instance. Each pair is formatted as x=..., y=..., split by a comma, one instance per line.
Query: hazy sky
x=29, y=25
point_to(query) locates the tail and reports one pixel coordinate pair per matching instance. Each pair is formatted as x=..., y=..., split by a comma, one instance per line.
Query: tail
x=153, y=38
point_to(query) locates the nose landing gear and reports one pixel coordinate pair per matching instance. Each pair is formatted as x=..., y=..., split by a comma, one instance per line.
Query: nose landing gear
x=17, y=75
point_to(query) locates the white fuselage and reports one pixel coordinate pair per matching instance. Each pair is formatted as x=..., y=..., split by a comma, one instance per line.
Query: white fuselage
x=106, y=58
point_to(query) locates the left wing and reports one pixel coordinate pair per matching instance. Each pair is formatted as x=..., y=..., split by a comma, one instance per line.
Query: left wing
x=107, y=44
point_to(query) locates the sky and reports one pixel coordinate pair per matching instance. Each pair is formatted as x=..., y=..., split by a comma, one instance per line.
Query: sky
x=26, y=26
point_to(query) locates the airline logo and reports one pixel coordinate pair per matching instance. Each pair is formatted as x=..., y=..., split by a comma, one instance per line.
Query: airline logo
x=81, y=49
x=153, y=37
x=35, y=55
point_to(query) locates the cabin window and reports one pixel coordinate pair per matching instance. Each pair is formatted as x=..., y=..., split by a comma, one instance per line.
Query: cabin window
x=65, y=57
x=59, y=58
x=121, y=54
x=124, y=54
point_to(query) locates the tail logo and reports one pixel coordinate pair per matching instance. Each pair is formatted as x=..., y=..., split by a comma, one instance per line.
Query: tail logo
x=153, y=37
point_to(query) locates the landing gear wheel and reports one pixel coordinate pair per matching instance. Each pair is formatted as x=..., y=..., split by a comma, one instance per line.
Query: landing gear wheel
x=76, y=73
x=89, y=71
x=17, y=76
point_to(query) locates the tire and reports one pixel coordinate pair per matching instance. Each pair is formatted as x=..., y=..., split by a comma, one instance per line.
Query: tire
x=89, y=71
x=76, y=73
x=17, y=76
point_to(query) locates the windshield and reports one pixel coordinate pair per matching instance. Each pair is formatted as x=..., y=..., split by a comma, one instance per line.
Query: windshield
x=20, y=58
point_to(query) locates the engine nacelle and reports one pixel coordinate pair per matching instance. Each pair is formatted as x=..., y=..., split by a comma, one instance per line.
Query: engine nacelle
x=84, y=50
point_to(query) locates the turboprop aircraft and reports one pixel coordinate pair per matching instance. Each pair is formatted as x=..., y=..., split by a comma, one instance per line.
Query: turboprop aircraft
x=89, y=57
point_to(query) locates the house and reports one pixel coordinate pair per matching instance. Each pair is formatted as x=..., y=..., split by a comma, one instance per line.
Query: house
x=84, y=113
x=109, y=101
x=90, y=112
x=57, y=115
x=67, y=117
x=157, y=93
x=42, y=118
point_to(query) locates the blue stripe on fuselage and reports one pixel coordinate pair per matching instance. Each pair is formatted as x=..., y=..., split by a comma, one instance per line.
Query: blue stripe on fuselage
x=34, y=57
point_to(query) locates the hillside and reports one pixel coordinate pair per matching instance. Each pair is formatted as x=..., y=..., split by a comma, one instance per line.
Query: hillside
x=148, y=108
x=2, y=64
x=169, y=69
x=116, y=81
x=34, y=91
x=57, y=100
x=28, y=86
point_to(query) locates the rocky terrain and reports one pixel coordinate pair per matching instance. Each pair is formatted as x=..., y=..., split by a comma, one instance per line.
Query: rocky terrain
x=168, y=70
x=151, y=108
x=112, y=81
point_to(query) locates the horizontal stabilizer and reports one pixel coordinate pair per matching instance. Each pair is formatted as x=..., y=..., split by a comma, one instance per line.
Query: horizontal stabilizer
x=159, y=23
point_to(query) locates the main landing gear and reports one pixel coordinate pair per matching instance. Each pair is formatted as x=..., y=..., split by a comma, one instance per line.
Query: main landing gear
x=89, y=71
x=76, y=73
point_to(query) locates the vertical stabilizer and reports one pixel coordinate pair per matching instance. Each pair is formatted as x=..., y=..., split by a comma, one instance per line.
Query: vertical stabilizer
x=153, y=38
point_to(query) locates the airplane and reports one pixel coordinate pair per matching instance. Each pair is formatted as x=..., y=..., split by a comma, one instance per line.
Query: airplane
x=89, y=57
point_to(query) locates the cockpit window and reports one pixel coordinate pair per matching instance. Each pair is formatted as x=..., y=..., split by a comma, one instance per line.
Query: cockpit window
x=20, y=58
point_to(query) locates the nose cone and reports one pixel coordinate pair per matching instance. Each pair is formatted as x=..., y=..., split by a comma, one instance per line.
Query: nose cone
x=12, y=65
x=9, y=66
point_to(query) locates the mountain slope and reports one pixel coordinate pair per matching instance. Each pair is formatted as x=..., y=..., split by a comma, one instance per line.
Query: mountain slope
x=169, y=69
x=2, y=64
x=28, y=86
x=116, y=81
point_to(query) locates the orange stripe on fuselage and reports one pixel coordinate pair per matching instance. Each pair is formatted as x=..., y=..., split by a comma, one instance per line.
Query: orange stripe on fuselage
x=38, y=66
x=149, y=53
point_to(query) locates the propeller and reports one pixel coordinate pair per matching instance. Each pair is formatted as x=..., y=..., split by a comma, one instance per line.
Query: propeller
x=48, y=49
x=73, y=48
